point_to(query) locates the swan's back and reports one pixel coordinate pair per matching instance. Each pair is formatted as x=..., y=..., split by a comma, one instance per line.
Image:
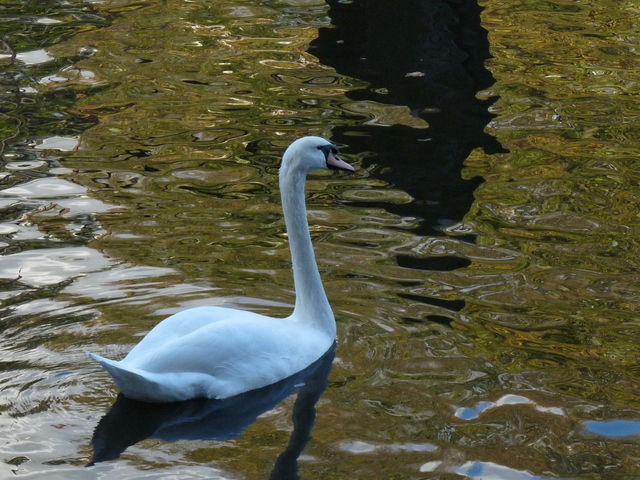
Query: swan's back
x=217, y=360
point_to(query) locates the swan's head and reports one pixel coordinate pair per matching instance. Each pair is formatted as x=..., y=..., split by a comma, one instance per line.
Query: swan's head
x=313, y=153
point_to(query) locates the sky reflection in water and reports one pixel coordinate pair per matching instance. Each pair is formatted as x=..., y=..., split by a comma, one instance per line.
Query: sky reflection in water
x=613, y=428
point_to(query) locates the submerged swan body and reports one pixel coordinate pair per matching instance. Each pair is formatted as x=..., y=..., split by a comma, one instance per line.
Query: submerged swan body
x=217, y=352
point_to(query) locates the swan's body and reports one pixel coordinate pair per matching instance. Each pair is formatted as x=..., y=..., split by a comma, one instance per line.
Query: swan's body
x=217, y=352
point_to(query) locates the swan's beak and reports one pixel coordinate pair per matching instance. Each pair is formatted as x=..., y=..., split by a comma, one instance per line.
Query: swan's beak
x=333, y=161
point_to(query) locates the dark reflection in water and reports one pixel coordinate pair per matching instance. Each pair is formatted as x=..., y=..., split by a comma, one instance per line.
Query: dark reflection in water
x=304, y=416
x=129, y=421
x=429, y=56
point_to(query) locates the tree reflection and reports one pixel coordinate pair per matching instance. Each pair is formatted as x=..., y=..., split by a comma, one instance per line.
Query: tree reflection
x=429, y=56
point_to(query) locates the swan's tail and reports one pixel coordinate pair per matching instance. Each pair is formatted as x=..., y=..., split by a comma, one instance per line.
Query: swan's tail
x=121, y=376
x=137, y=384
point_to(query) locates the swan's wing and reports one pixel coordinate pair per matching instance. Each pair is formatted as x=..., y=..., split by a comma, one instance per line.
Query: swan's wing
x=241, y=353
x=186, y=322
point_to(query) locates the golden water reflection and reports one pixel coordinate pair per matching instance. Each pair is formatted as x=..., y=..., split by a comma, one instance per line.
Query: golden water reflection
x=171, y=201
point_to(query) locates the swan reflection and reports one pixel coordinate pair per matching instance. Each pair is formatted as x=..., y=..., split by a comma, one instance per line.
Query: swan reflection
x=129, y=421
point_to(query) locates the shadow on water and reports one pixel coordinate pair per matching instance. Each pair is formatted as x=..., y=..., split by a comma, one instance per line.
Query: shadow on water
x=129, y=421
x=430, y=57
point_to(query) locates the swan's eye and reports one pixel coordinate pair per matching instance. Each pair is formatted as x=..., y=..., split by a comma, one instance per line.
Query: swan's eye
x=327, y=149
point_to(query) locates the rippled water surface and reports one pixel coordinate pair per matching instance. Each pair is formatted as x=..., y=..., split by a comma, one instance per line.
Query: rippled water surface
x=482, y=262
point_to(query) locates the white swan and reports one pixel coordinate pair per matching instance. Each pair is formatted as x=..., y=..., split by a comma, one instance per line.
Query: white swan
x=217, y=352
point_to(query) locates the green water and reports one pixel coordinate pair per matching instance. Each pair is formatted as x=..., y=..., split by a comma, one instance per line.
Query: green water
x=485, y=327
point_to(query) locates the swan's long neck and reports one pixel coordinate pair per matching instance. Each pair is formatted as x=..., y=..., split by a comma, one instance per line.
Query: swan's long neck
x=312, y=305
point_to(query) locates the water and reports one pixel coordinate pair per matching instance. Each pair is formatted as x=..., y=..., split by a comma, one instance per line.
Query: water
x=481, y=263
